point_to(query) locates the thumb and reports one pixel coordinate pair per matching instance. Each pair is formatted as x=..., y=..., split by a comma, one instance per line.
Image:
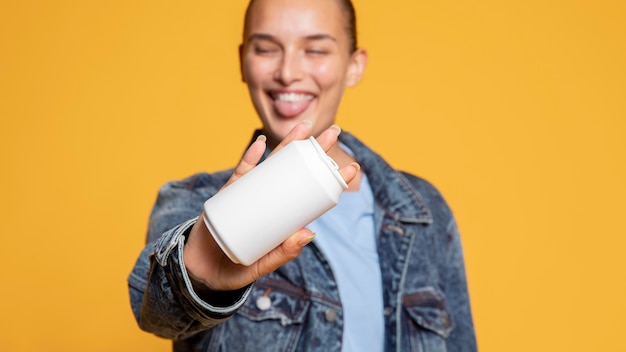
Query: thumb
x=349, y=172
x=285, y=252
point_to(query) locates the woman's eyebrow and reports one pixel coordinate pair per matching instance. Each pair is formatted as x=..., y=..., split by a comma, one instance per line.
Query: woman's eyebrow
x=320, y=37
x=269, y=37
x=262, y=36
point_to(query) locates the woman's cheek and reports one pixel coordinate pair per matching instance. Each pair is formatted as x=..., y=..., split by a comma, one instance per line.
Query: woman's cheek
x=326, y=73
x=259, y=70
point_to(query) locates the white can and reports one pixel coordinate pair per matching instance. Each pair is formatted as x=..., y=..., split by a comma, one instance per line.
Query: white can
x=283, y=194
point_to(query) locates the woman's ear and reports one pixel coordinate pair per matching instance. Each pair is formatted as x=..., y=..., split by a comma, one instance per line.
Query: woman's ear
x=243, y=77
x=358, y=62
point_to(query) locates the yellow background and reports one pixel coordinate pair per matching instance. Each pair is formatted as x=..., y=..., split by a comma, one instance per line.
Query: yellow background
x=515, y=110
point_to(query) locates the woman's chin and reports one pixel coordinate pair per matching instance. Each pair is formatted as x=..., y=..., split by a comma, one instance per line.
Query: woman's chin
x=280, y=129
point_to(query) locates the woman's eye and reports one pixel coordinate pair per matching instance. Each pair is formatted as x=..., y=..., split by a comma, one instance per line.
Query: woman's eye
x=264, y=50
x=317, y=52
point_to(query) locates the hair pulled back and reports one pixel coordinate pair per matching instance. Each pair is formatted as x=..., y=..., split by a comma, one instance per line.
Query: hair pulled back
x=350, y=14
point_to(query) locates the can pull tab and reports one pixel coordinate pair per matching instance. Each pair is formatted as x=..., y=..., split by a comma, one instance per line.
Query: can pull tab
x=332, y=165
x=322, y=154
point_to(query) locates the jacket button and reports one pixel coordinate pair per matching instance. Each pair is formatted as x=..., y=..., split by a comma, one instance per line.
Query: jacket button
x=444, y=320
x=330, y=315
x=263, y=303
x=388, y=311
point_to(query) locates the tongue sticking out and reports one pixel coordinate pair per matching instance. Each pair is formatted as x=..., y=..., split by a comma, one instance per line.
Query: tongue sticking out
x=291, y=108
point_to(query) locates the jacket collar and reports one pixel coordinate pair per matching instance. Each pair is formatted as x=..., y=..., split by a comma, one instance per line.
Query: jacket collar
x=392, y=189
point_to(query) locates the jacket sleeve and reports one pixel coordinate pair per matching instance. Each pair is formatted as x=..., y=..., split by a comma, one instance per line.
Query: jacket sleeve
x=162, y=296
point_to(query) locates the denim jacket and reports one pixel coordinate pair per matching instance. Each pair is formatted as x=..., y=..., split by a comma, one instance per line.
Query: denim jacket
x=297, y=307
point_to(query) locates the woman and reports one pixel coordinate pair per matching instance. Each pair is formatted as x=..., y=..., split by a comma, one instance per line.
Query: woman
x=385, y=272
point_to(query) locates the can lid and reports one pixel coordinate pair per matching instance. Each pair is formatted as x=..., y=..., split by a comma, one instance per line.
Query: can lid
x=332, y=165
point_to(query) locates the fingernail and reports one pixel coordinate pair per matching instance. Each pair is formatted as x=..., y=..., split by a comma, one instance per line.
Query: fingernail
x=306, y=240
x=356, y=166
x=336, y=129
x=308, y=123
x=261, y=137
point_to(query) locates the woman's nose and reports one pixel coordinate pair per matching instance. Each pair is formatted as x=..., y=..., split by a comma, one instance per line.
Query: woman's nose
x=289, y=69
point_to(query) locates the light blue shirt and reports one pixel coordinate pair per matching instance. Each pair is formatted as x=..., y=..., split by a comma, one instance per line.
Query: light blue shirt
x=346, y=236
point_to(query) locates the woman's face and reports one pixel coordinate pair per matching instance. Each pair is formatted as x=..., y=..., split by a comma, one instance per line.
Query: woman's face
x=296, y=61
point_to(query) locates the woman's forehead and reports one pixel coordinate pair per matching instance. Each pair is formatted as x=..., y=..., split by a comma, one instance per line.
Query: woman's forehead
x=294, y=17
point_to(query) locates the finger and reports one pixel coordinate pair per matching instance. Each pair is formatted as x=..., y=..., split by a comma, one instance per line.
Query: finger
x=329, y=137
x=250, y=159
x=349, y=172
x=284, y=253
x=299, y=131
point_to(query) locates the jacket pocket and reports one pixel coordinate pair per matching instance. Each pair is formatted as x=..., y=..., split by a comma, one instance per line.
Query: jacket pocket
x=273, y=300
x=270, y=320
x=430, y=320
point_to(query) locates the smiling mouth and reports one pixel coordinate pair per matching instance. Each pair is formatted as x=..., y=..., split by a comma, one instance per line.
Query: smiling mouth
x=290, y=104
x=291, y=97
